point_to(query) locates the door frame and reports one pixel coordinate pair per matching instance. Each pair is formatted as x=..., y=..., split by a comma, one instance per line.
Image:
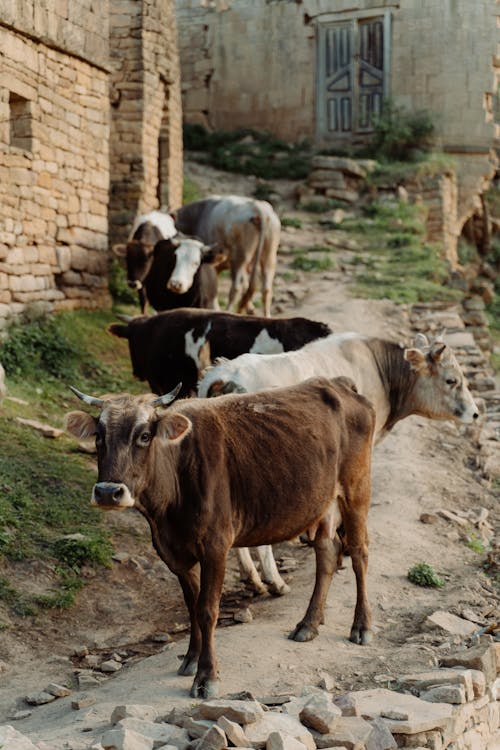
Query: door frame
x=332, y=19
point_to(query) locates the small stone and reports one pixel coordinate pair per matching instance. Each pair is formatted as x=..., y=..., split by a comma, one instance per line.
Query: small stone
x=121, y=557
x=283, y=741
x=125, y=739
x=86, y=679
x=81, y=651
x=83, y=701
x=39, y=699
x=258, y=731
x=161, y=638
x=110, y=666
x=161, y=734
x=380, y=737
x=20, y=714
x=450, y=624
x=243, y=615
x=429, y=518
x=444, y=694
x=11, y=739
x=326, y=681
x=135, y=710
x=234, y=733
x=242, y=712
x=91, y=660
x=213, y=739
x=320, y=713
x=59, y=691
x=481, y=657
x=389, y=713
x=196, y=728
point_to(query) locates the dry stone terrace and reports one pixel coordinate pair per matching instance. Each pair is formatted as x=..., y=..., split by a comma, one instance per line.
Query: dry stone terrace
x=455, y=707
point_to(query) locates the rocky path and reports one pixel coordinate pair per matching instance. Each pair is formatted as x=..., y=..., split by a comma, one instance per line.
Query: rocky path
x=433, y=500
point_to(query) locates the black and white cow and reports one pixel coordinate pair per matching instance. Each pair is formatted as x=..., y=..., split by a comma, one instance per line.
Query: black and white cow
x=175, y=346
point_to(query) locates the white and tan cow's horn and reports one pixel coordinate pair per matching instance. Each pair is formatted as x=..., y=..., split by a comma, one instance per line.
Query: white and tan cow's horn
x=124, y=318
x=90, y=400
x=167, y=398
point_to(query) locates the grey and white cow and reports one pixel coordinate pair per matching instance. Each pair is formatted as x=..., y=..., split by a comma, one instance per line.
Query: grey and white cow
x=248, y=233
x=424, y=379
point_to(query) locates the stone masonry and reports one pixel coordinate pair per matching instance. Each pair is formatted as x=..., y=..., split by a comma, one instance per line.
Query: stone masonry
x=442, y=57
x=58, y=159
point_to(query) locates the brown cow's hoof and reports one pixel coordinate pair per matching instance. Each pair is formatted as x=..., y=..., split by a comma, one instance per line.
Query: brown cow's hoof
x=303, y=633
x=361, y=636
x=189, y=666
x=204, y=688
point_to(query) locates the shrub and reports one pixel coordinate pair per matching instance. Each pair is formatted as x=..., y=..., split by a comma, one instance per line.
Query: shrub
x=423, y=574
x=38, y=345
x=77, y=549
x=401, y=135
x=117, y=285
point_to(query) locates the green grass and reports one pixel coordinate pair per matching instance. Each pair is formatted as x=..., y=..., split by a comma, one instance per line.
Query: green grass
x=423, y=574
x=291, y=221
x=247, y=151
x=476, y=544
x=397, y=263
x=45, y=484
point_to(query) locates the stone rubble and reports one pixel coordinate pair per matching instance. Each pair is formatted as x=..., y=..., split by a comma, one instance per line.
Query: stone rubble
x=453, y=707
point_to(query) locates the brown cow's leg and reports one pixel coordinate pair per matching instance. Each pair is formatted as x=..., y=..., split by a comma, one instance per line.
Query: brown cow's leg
x=205, y=683
x=354, y=513
x=190, y=583
x=326, y=551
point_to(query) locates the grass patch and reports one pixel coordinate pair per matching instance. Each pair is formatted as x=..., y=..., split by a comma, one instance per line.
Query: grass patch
x=44, y=484
x=190, y=191
x=303, y=260
x=320, y=207
x=291, y=221
x=423, y=574
x=396, y=262
x=247, y=151
x=476, y=544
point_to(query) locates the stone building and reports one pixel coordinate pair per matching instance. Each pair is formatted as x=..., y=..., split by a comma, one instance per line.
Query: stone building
x=319, y=70
x=90, y=135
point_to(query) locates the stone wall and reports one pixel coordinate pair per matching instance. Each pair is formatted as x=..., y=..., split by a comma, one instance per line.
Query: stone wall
x=64, y=150
x=146, y=118
x=254, y=65
x=54, y=165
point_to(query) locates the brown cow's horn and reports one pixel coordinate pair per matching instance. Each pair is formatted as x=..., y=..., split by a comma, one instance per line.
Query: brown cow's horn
x=91, y=400
x=167, y=398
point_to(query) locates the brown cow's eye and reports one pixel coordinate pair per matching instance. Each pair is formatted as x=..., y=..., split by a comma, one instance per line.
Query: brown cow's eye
x=451, y=381
x=144, y=438
x=98, y=439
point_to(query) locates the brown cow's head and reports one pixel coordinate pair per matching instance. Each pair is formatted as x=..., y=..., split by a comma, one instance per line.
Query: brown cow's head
x=440, y=390
x=127, y=431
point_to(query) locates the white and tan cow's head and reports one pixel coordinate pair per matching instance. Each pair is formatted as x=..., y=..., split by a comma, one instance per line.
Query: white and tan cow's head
x=440, y=390
x=189, y=254
x=125, y=431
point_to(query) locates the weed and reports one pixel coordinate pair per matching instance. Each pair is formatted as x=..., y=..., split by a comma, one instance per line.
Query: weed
x=423, y=574
x=401, y=135
x=466, y=252
x=476, y=544
x=320, y=207
x=117, y=285
x=77, y=549
x=250, y=152
x=304, y=262
x=291, y=221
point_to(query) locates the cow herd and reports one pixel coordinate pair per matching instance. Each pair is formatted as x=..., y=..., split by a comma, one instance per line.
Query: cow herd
x=273, y=436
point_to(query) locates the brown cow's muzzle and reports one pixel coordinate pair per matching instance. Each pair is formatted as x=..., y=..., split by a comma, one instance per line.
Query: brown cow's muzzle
x=112, y=496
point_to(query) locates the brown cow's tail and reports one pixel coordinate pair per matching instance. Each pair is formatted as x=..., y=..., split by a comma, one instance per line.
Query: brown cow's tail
x=259, y=221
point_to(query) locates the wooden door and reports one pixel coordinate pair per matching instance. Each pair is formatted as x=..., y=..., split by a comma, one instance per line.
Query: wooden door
x=352, y=63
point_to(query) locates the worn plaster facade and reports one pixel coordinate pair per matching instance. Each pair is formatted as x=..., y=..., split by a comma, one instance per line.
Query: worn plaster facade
x=76, y=162
x=318, y=69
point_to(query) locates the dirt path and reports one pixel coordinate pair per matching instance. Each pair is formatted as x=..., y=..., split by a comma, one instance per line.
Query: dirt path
x=420, y=467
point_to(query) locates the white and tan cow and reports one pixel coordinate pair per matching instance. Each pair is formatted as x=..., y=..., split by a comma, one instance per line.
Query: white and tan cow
x=425, y=379
x=248, y=232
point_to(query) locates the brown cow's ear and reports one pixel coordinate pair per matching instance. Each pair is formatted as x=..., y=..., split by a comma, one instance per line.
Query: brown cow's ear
x=118, y=329
x=416, y=359
x=119, y=250
x=213, y=254
x=80, y=424
x=174, y=427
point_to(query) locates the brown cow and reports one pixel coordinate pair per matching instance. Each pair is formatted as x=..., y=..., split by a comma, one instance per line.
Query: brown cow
x=211, y=474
